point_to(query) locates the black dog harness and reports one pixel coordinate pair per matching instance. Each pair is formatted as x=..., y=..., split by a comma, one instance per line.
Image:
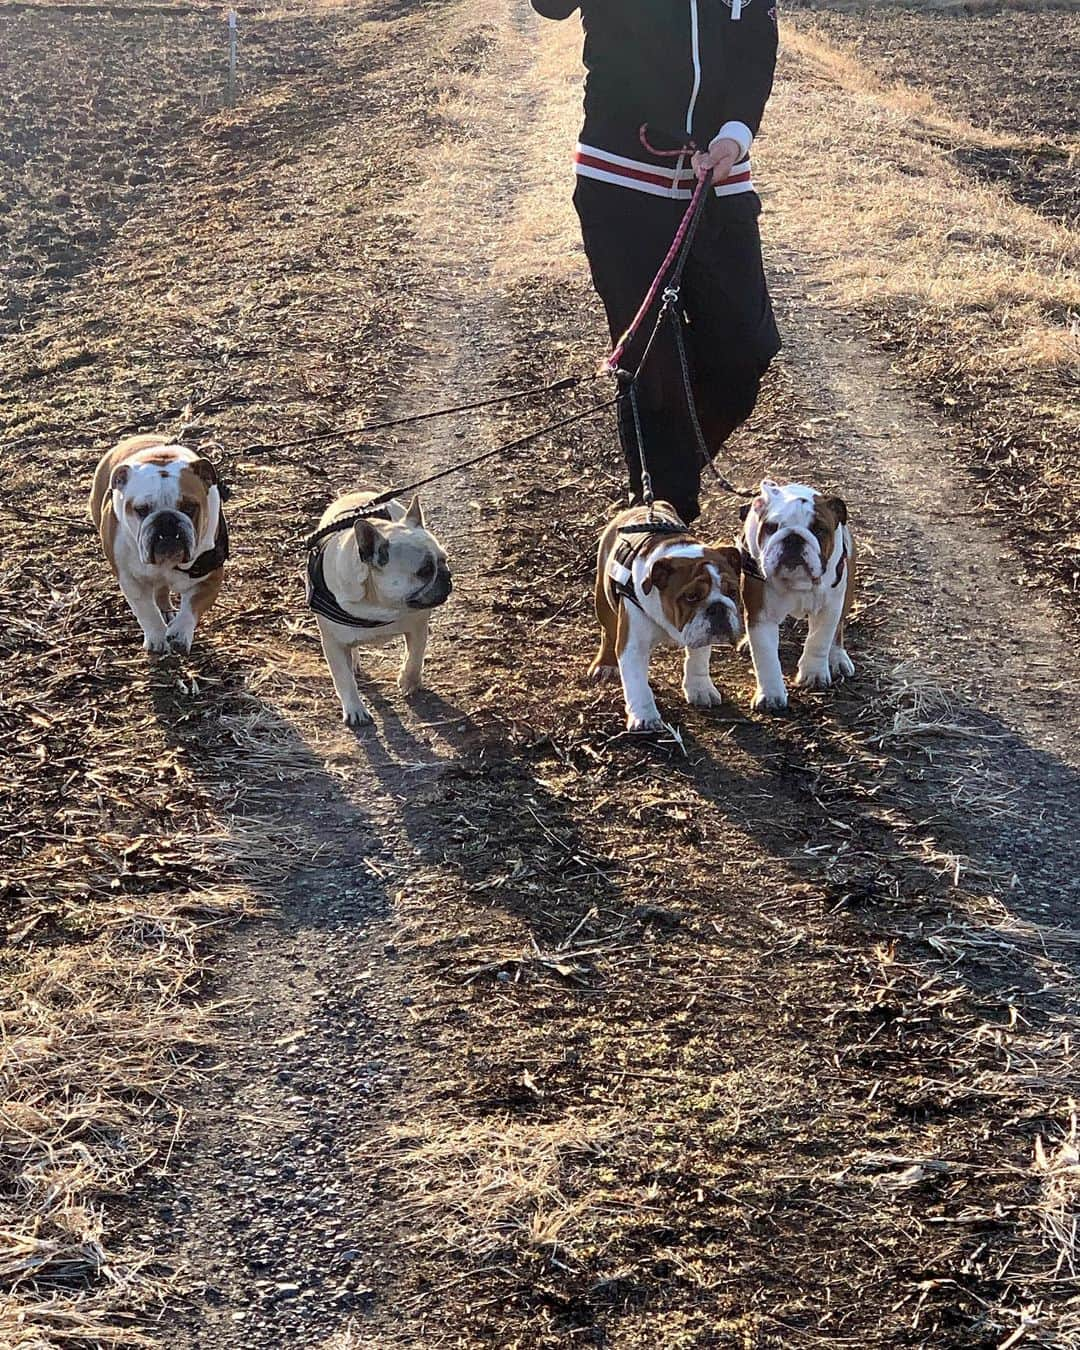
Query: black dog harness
x=321, y=599
x=620, y=566
x=210, y=559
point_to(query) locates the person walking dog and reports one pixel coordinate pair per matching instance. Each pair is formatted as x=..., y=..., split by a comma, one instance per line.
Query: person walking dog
x=670, y=75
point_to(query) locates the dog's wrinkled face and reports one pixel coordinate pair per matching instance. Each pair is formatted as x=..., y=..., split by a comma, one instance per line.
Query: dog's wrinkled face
x=166, y=502
x=792, y=531
x=407, y=565
x=699, y=594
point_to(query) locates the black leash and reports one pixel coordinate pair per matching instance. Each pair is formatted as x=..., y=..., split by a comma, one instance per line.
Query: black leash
x=350, y=433
x=347, y=521
x=669, y=308
x=691, y=407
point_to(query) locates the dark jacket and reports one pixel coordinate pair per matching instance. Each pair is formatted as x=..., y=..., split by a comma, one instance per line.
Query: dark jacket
x=682, y=67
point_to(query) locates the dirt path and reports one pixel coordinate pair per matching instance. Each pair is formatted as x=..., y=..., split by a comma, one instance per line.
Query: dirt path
x=553, y=1037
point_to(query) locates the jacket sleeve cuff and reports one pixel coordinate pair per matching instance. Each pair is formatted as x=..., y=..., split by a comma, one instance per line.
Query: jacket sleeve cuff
x=738, y=132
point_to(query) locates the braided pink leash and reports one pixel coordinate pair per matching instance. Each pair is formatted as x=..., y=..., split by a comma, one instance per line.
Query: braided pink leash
x=611, y=365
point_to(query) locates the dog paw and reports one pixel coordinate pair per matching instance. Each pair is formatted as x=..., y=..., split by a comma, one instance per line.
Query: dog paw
x=703, y=694
x=603, y=674
x=769, y=701
x=409, y=683
x=179, y=643
x=841, y=665
x=357, y=717
x=644, y=726
x=158, y=644
x=816, y=676
x=180, y=634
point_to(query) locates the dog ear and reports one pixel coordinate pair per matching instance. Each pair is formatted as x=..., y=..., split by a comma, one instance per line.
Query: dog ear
x=202, y=468
x=368, y=539
x=730, y=555
x=745, y=510
x=415, y=514
x=120, y=475
x=838, y=507
x=658, y=576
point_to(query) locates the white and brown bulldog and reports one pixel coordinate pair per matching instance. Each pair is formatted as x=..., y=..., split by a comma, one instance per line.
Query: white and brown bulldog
x=157, y=507
x=798, y=560
x=658, y=586
x=376, y=579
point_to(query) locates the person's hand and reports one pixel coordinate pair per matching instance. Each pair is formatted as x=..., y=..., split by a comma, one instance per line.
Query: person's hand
x=720, y=157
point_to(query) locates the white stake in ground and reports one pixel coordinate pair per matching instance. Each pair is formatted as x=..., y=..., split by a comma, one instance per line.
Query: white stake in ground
x=232, y=57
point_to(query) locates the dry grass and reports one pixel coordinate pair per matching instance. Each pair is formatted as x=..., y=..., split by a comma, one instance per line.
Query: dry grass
x=977, y=294
x=98, y=1040
x=485, y=1185
x=918, y=106
x=529, y=230
x=915, y=230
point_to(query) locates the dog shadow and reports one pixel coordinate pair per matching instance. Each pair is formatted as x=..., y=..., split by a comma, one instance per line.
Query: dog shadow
x=285, y=813
x=914, y=818
x=491, y=822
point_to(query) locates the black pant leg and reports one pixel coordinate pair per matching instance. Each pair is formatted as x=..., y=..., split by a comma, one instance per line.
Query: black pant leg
x=626, y=236
x=732, y=331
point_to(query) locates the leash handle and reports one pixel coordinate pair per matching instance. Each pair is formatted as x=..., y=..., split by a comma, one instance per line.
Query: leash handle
x=686, y=147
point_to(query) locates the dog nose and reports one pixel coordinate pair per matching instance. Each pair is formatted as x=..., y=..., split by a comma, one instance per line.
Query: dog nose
x=167, y=537
x=720, y=618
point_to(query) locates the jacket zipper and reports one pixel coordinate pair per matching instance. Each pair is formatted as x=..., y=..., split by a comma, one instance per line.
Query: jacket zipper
x=695, y=52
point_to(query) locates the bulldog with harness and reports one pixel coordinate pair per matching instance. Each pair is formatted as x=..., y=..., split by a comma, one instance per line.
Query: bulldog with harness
x=658, y=586
x=375, y=578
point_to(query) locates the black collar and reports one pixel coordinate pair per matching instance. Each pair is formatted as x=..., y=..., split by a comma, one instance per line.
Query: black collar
x=749, y=564
x=211, y=558
x=841, y=564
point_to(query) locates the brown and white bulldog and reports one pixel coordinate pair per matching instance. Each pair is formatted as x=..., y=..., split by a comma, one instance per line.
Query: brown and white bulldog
x=157, y=507
x=798, y=561
x=661, y=587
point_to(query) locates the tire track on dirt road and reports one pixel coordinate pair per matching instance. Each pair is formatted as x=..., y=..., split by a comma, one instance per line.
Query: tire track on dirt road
x=317, y=1055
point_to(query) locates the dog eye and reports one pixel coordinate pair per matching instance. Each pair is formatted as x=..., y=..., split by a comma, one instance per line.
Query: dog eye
x=427, y=571
x=769, y=527
x=190, y=509
x=142, y=510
